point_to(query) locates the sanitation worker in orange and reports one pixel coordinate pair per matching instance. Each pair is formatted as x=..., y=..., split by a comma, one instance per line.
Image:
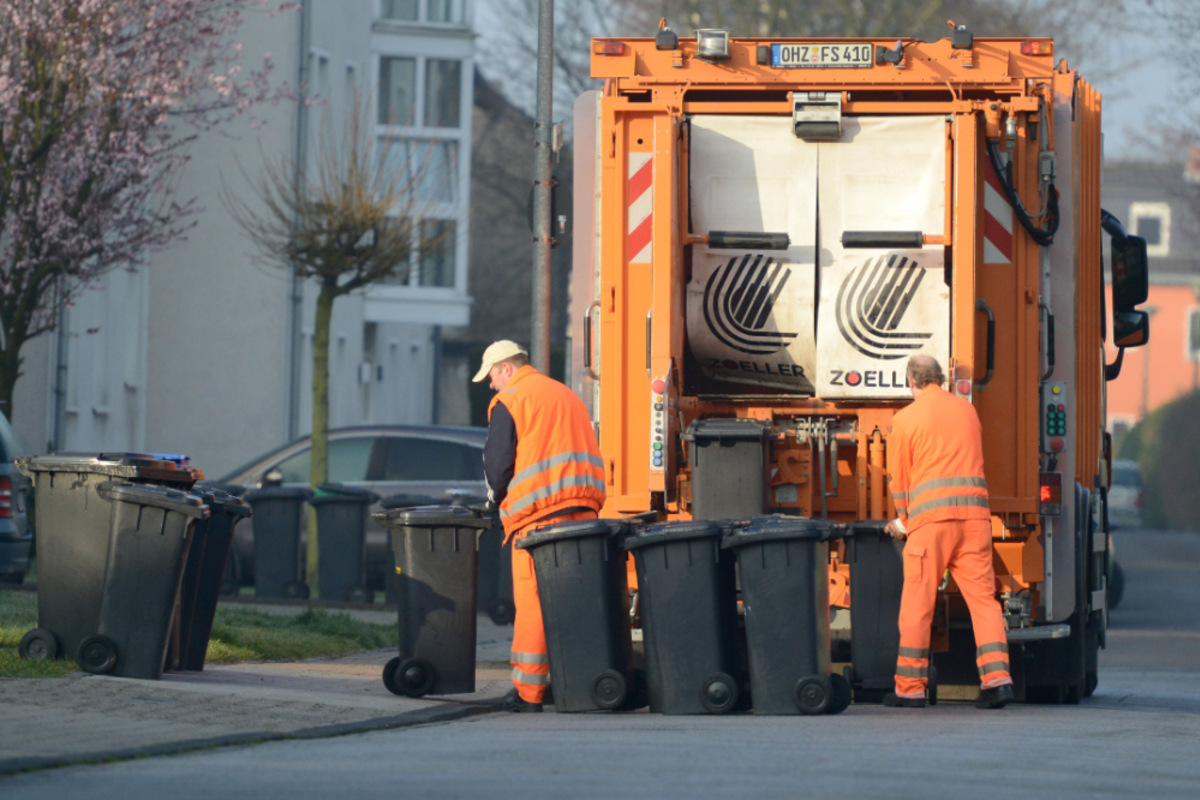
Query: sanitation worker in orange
x=542, y=465
x=935, y=465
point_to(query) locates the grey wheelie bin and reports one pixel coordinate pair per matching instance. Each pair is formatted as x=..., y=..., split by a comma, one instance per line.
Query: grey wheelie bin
x=389, y=569
x=73, y=537
x=877, y=577
x=341, y=541
x=495, y=565
x=436, y=564
x=278, y=516
x=580, y=568
x=783, y=564
x=687, y=596
x=204, y=572
x=149, y=535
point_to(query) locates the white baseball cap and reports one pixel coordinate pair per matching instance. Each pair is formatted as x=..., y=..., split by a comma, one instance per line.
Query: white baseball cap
x=497, y=352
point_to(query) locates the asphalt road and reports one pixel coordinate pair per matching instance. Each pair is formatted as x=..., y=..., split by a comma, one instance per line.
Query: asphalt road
x=1136, y=737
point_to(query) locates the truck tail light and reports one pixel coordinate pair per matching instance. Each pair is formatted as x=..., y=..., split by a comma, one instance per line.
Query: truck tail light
x=608, y=48
x=6, y=490
x=1037, y=48
x=1050, y=494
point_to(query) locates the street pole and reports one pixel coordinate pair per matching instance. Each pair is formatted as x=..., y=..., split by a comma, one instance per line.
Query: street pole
x=543, y=144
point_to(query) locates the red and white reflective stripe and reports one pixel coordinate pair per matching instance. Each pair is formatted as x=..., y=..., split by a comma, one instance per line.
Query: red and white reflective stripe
x=641, y=207
x=997, y=220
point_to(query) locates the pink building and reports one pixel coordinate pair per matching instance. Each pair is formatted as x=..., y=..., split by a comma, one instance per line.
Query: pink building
x=1162, y=204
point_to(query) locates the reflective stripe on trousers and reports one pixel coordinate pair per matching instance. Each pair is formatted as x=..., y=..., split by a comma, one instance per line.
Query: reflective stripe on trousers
x=965, y=548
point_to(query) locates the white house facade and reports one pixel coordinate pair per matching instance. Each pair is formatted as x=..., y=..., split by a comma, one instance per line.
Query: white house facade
x=207, y=351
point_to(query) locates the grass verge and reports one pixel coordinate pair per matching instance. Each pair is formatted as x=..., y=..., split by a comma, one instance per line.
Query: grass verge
x=238, y=635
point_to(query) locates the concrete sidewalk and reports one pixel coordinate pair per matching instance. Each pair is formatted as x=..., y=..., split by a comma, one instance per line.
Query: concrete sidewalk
x=81, y=717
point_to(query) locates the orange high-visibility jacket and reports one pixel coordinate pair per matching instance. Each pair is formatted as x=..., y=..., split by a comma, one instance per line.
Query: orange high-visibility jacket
x=558, y=464
x=935, y=460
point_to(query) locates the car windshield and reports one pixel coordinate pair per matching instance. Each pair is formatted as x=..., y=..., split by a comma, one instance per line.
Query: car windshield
x=348, y=459
x=1127, y=475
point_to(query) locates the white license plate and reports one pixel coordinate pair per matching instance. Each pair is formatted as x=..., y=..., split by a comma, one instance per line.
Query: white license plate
x=818, y=55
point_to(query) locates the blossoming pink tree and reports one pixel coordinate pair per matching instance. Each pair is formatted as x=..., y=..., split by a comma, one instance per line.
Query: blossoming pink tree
x=99, y=100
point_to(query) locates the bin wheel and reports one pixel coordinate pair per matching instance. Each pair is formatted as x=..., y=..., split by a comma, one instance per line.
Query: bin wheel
x=296, y=590
x=608, y=690
x=389, y=673
x=228, y=588
x=931, y=686
x=409, y=677
x=842, y=694
x=97, y=654
x=812, y=694
x=360, y=594
x=502, y=612
x=40, y=644
x=719, y=693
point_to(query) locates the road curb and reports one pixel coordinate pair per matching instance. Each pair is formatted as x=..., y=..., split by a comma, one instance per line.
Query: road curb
x=445, y=712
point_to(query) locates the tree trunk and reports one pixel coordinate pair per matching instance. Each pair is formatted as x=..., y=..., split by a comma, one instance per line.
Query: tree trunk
x=10, y=370
x=320, y=416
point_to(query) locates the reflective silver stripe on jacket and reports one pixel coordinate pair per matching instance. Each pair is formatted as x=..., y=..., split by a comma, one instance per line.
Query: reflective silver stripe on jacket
x=549, y=491
x=947, y=502
x=946, y=483
x=914, y=652
x=554, y=461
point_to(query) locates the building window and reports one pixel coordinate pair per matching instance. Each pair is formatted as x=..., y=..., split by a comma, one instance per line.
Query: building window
x=400, y=9
x=1193, y=334
x=443, y=81
x=436, y=11
x=445, y=11
x=429, y=169
x=397, y=91
x=437, y=252
x=1152, y=221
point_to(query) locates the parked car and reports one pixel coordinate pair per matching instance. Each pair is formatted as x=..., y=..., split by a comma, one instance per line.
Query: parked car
x=445, y=463
x=16, y=538
x=1125, y=495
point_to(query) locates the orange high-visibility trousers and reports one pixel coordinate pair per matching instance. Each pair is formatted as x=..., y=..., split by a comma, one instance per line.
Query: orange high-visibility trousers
x=531, y=665
x=965, y=548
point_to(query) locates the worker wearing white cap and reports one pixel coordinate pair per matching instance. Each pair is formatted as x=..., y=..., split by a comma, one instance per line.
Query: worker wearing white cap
x=542, y=463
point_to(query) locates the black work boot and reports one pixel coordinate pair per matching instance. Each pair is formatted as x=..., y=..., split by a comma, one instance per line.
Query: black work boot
x=515, y=703
x=997, y=697
x=892, y=700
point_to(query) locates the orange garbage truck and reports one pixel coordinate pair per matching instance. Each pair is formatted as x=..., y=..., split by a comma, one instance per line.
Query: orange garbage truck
x=766, y=230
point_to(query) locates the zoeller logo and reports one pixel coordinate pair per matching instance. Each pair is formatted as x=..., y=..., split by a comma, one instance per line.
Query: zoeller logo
x=738, y=300
x=871, y=304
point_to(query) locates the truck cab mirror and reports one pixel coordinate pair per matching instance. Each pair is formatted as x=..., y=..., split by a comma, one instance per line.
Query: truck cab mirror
x=1130, y=281
x=1131, y=328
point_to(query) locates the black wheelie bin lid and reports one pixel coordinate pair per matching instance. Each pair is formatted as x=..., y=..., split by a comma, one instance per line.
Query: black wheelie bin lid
x=278, y=493
x=573, y=529
x=335, y=493
x=779, y=527
x=156, y=496
x=431, y=517
x=408, y=501
x=680, y=531
x=225, y=501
